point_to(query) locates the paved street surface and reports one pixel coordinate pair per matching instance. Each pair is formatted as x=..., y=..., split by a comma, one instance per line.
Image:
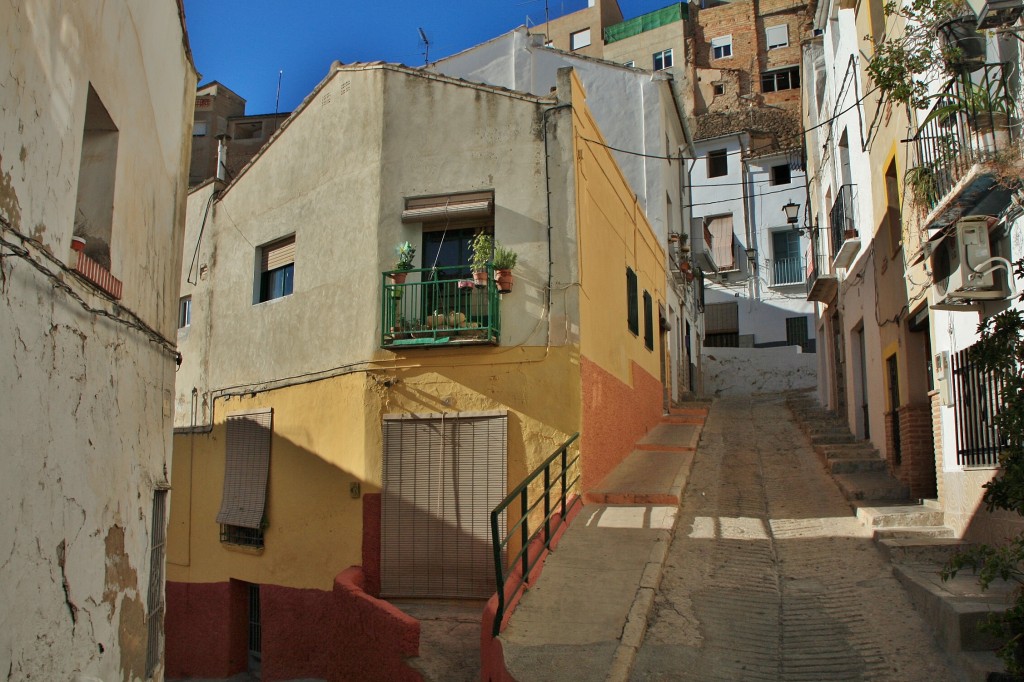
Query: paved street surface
x=770, y=576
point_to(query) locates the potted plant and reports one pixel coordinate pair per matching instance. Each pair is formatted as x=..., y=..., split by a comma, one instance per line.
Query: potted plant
x=481, y=250
x=400, y=329
x=406, y=252
x=922, y=183
x=504, y=262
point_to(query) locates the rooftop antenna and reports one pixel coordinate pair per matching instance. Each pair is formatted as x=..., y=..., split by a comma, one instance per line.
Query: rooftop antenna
x=426, y=48
x=277, y=102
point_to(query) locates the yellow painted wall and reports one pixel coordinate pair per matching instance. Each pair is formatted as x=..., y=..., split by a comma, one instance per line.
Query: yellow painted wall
x=613, y=234
x=327, y=434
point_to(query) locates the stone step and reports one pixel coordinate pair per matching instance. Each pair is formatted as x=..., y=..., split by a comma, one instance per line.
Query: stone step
x=854, y=465
x=872, y=486
x=860, y=448
x=917, y=549
x=955, y=608
x=832, y=438
x=913, y=533
x=898, y=516
x=983, y=666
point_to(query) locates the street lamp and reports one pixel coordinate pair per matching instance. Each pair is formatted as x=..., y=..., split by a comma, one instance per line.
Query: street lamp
x=751, y=255
x=792, y=212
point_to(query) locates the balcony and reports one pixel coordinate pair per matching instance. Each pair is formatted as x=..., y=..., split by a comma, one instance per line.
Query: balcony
x=974, y=120
x=427, y=311
x=845, y=238
x=787, y=271
x=822, y=285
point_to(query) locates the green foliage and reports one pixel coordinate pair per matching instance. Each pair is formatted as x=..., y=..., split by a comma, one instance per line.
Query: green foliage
x=406, y=252
x=1001, y=350
x=504, y=259
x=481, y=251
x=902, y=66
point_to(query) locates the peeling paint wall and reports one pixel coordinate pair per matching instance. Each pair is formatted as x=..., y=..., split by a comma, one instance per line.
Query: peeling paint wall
x=751, y=371
x=86, y=400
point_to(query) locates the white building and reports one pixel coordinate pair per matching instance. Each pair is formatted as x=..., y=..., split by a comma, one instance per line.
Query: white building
x=94, y=143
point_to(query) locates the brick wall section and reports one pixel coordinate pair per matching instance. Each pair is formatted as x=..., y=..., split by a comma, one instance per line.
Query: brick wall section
x=917, y=449
x=936, y=416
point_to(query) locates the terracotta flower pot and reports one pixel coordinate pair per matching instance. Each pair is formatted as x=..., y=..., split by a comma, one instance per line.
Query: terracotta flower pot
x=504, y=280
x=480, y=279
x=398, y=277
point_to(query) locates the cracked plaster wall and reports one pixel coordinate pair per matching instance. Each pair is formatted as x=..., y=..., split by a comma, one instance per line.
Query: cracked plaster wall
x=86, y=402
x=751, y=371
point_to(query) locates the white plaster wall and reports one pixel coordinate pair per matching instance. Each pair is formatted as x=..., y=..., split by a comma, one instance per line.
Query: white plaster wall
x=86, y=401
x=337, y=177
x=752, y=371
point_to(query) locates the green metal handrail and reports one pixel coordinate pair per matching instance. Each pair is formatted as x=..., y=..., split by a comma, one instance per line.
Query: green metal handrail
x=521, y=492
x=433, y=307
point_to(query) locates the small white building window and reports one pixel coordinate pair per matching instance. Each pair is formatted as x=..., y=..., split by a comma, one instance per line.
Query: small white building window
x=199, y=128
x=662, y=60
x=777, y=36
x=184, y=312
x=721, y=47
x=579, y=39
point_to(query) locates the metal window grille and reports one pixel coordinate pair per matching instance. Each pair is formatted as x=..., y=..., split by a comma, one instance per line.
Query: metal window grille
x=633, y=310
x=796, y=332
x=155, y=597
x=237, y=535
x=648, y=322
x=977, y=396
x=442, y=476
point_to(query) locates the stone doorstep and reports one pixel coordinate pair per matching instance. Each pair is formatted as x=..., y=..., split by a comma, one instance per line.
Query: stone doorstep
x=913, y=532
x=918, y=549
x=853, y=465
x=869, y=487
x=903, y=515
x=832, y=439
x=954, y=608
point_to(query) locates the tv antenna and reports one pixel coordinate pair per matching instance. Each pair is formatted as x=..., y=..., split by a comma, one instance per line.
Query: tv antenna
x=426, y=48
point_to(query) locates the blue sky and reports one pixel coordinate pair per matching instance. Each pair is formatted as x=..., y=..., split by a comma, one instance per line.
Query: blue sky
x=244, y=43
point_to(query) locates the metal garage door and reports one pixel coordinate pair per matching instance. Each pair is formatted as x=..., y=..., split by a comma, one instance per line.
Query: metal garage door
x=442, y=476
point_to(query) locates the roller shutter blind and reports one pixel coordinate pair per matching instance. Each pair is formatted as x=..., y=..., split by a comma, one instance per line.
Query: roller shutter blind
x=722, y=242
x=278, y=254
x=246, y=467
x=442, y=476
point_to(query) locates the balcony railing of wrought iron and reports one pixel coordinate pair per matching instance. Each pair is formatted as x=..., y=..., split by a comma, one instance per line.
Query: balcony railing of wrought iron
x=841, y=218
x=787, y=271
x=974, y=118
x=431, y=307
x=559, y=479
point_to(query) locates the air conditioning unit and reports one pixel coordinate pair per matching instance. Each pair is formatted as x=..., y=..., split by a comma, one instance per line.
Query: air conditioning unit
x=961, y=266
x=996, y=13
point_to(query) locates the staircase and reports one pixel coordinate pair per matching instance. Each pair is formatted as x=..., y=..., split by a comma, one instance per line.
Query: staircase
x=912, y=536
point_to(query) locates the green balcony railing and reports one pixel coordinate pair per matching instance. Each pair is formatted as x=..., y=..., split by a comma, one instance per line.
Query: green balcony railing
x=431, y=308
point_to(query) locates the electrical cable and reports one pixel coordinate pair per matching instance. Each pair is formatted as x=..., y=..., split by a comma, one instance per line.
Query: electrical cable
x=120, y=315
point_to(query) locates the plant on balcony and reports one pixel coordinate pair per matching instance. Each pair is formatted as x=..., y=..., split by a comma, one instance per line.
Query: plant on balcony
x=1001, y=350
x=504, y=262
x=903, y=66
x=923, y=184
x=481, y=251
x=406, y=252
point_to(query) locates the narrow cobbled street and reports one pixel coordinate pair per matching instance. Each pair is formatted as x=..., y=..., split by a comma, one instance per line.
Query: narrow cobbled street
x=770, y=576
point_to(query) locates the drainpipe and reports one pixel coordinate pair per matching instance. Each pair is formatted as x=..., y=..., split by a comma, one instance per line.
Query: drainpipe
x=746, y=217
x=547, y=191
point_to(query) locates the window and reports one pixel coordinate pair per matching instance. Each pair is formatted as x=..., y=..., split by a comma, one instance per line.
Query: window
x=781, y=175
x=786, y=263
x=796, y=333
x=977, y=399
x=783, y=79
x=246, y=467
x=632, y=311
x=719, y=88
x=893, y=214
x=777, y=36
x=579, y=39
x=184, y=312
x=722, y=325
x=662, y=60
x=94, y=204
x=718, y=163
x=722, y=250
x=721, y=47
x=155, y=597
x=648, y=322
x=277, y=269
x=199, y=128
